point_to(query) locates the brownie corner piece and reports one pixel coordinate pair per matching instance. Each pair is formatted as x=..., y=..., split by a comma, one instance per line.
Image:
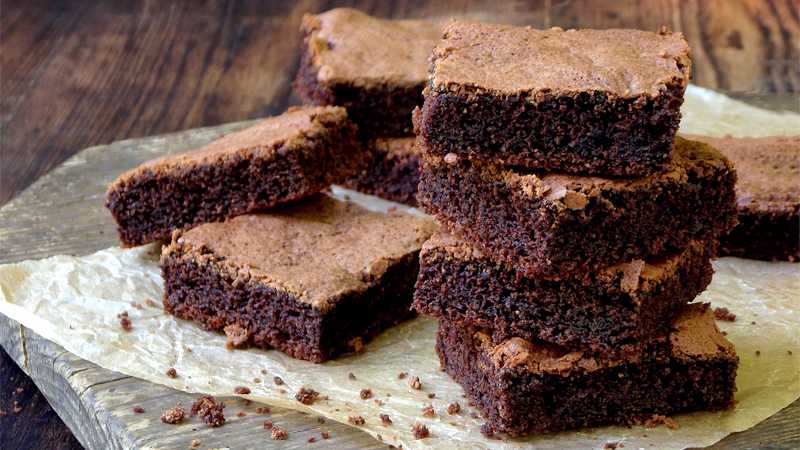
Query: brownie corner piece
x=314, y=279
x=507, y=93
x=524, y=387
x=276, y=160
x=379, y=92
x=393, y=172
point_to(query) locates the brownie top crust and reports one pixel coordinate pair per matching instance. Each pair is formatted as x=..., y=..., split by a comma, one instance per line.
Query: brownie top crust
x=633, y=276
x=265, y=138
x=768, y=170
x=505, y=60
x=694, y=335
x=349, y=46
x=317, y=250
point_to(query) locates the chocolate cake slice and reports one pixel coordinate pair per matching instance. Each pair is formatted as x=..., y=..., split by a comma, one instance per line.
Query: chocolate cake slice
x=609, y=312
x=393, y=173
x=767, y=195
x=314, y=279
x=554, y=224
x=525, y=387
x=376, y=68
x=277, y=160
x=596, y=102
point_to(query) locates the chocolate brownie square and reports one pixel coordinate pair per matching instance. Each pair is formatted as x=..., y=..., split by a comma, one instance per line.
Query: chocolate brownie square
x=609, y=312
x=314, y=279
x=393, y=172
x=279, y=159
x=376, y=68
x=767, y=195
x=597, y=102
x=525, y=387
x=555, y=224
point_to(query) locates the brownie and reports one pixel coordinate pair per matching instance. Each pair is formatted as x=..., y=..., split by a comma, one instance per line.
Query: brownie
x=525, y=387
x=555, y=224
x=376, y=68
x=767, y=195
x=393, y=172
x=597, y=102
x=279, y=159
x=313, y=279
x=609, y=312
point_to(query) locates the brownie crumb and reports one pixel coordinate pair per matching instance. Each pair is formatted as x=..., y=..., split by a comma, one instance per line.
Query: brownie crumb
x=246, y=401
x=263, y=410
x=237, y=336
x=428, y=411
x=612, y=445
x=453, y=408
x=378, y=402
x=172, y=373
x=279, y=434
x=432, y=395
x=278, y=380
x=365, y=394
x=173, y=416
x=415, y=383
x=758, y=352
x=401, y=375
x=658, y=419
x=325, y=435
x=242, y=390
x=16, y=407
x=125, y=321
x=420, y=431
x=356, y=420
x=386, y=419
x=320, y=420
x=724, y=314
x=256, y=380
x=209, y=410
x=196, y=443
x=753, y=322
x=263, y=371
x=138, y=410
x=241, y=414
x=267, y=424
x=306, y=396
x=312, y=439
x=356, y=344
x=351, y=376
x=789, y=352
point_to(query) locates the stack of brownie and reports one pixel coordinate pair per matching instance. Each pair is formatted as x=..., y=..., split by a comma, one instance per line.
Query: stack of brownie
x=578, y=227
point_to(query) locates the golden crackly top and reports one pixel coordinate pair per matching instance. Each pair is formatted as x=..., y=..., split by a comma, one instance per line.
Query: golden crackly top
x=264, y=139
x=694, y=336
x=633, y=276
x=508, y=60
x=318, y=250
x=351, y=47
x=768, y=169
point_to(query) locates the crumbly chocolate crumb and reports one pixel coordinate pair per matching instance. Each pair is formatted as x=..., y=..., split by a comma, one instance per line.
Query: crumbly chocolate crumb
x=432, y=395
x=356, y=420
x=724, y=314
x=401, y=375
x=415, y=383
x=263, y=371
x=789, y=352
x=263, y=410
x=16, y=407
x=428, y=411
x=420, y=431
x=278, y=380
x=351, y=376
x=306, y=396
x=210, y=411
x=242, y=390
x=172, y=373
x=386, y=419
x=237, y=336
x=138, y=410
x=312, y=439
x=320, y=420
x=365, y=394
x=378, y=402
x=752, y=322
x=241, y=414
x=453, y=408
x=125, y=321
x=658, y=419
x=758, y=352
x=612, y=445
x=173, y=416
x=256, y=380
x=279, y=434
x=325, y=435
x=196, y=443
x=267, y=424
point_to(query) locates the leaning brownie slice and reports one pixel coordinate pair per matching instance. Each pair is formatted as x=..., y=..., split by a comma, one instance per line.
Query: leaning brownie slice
x=314, y=279
x=555, y=224
x=376, y=68
x=767, y=194
x=393, y=173
x=610, y=312
x=524, y=387
x=277, y=160
x=603, y=102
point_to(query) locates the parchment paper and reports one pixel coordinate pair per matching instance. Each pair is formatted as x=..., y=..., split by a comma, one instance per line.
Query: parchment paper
x=74, y=301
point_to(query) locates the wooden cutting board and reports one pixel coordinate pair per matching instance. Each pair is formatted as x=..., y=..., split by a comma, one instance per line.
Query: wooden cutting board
x=63, y=213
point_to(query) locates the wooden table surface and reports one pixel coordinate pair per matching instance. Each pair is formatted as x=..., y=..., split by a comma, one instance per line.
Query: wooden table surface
x=77, y=74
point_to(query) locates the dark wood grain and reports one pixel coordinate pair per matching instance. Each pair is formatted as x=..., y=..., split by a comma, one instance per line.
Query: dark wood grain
x=79, y=73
